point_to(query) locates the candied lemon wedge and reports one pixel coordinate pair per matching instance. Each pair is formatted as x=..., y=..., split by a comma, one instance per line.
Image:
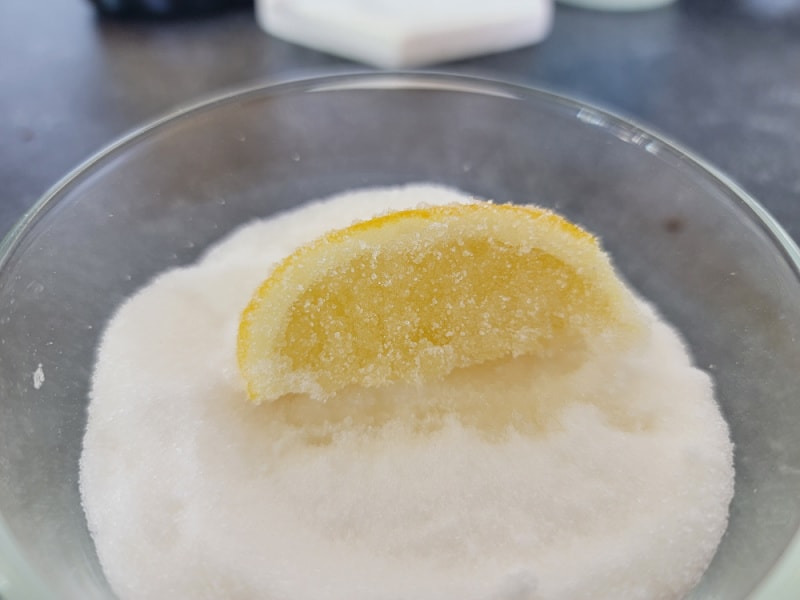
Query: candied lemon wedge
x=413, y=295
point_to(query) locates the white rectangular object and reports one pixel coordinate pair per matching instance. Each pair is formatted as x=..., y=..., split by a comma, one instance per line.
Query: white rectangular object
x=407, y=33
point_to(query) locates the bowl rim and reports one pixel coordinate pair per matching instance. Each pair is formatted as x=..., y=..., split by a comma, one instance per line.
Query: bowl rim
x=18, y=576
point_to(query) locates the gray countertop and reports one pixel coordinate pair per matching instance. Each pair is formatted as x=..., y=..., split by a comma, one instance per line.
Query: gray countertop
x=721, y=78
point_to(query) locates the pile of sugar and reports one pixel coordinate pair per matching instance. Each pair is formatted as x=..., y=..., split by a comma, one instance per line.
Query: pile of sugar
x=192, y=492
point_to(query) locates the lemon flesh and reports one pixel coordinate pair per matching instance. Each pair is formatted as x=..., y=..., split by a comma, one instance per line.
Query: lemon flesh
x=413, y=295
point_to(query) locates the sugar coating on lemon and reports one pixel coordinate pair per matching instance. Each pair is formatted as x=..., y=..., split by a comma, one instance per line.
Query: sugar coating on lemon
x=415, y=294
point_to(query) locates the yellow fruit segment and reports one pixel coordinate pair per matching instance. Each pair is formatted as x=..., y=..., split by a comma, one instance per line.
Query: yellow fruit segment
x=413, y=295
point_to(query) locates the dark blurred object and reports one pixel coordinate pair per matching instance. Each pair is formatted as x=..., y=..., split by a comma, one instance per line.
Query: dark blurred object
x=165, y=8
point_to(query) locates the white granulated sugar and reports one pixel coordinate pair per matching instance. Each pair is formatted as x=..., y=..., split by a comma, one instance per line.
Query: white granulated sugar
x=190, y=491
x=38, y=377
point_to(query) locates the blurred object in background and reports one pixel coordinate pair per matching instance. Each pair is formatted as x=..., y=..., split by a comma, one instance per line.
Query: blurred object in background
x=165, y=8
x=621, y=5
x=407, y=33
x=771, y=9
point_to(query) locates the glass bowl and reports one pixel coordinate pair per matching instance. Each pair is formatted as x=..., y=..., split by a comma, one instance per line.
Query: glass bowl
x=706, y=253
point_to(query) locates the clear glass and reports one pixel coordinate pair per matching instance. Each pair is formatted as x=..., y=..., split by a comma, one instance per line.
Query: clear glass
x=715, y=263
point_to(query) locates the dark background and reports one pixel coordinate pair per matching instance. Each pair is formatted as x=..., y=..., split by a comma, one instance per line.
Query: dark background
x=720, y=77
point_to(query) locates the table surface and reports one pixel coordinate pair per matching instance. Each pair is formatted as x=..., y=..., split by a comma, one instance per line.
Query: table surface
x=720, y=77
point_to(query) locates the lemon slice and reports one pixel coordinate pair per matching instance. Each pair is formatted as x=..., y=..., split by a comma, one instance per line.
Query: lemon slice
x=415, y=294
